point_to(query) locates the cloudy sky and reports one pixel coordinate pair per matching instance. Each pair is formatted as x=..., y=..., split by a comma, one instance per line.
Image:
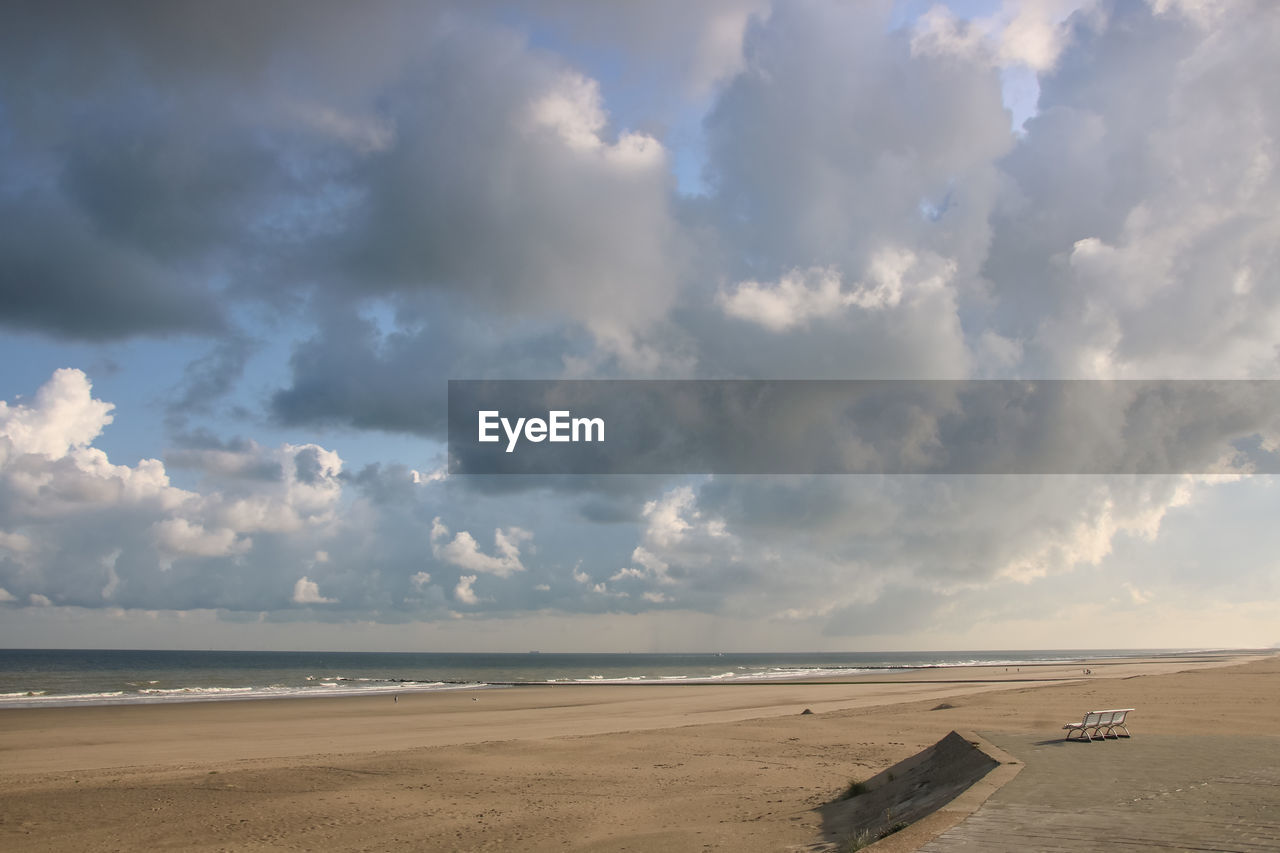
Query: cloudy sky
x=244, y=246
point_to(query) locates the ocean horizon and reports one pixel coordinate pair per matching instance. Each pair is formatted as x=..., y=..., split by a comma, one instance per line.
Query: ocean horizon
x=80, y=677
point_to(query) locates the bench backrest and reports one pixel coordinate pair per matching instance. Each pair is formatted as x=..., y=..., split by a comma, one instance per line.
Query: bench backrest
x=1114, y=717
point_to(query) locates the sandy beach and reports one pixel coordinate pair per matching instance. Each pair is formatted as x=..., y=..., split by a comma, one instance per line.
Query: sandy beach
x=608, y=767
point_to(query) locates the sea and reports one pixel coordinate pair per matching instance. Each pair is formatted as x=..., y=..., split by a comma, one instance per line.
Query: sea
x=77, y=677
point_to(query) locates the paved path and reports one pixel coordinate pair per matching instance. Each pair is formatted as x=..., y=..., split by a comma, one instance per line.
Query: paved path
x=1148, y=792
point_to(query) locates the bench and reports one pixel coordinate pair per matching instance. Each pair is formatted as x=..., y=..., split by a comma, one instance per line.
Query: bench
x=1099, y=724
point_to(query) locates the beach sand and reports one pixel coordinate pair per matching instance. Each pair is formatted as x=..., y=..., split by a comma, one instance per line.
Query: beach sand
x=594, y=767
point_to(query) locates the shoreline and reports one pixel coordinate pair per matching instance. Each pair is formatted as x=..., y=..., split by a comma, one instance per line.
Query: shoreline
x=285, y=727
x=659, y=765
x=343, y=686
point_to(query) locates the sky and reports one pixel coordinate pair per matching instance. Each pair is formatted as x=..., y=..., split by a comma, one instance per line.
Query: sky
x=244, y=246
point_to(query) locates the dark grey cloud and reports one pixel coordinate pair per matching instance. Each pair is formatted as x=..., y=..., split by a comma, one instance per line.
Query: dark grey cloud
x=271, y=150
x=352, y=373
x=384, y=485
x=203, y=439
x=226, y=464
x=236, y=457
x=155, y=149
x=62, y=277
x=211, y=377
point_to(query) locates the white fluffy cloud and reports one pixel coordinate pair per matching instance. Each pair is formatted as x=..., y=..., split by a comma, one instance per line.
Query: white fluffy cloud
x=63, y=416
x=49, y=469
x=667, y=522
x=81, y=529
x=682, y=546
x=574, y=110
x=464, y=591
x=463, y=550
x=799, y=297
x=1032, y=33
x=307, y=591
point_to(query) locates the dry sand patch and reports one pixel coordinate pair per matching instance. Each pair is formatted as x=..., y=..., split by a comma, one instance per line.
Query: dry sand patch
x=590, y=768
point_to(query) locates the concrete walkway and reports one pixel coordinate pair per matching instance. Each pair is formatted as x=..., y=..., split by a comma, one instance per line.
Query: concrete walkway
x=1148, y=792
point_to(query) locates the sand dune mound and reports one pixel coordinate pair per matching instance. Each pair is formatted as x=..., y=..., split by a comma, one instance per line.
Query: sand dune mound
x=906, y=792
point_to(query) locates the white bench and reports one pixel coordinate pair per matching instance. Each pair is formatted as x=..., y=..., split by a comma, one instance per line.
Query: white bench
x=1099, y=724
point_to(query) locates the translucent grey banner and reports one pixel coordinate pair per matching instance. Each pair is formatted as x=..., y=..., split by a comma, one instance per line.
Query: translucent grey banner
x=864, y=427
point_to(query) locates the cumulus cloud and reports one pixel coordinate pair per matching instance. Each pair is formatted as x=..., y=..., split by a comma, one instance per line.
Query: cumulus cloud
x=667, y=524
x=62, y=416
x=654, y=566
x=1138, y=252
x=799, y=297
x=1035, y=33
x=48, y=465
x=854, y=554
x=307, y=591
x=795, y=299
x=15, y=542
x=683, y=550
x=1032, y=33
x=574, y=110
x=464, y=591
x=527, y=203
x=81, y=529
x=180, y=536
x=463, y=550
